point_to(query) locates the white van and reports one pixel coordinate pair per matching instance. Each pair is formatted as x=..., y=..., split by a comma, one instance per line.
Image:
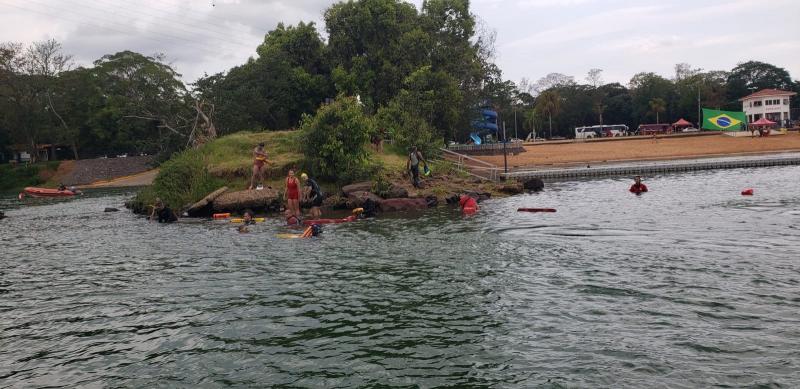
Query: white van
x=585, y=132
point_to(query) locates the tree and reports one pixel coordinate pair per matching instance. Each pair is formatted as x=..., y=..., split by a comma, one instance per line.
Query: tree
x=657, y=106
x=333, y=140
x=549, y=102
x=646, y=87
x=751, y=76
x=552, y=80
x=595, y=77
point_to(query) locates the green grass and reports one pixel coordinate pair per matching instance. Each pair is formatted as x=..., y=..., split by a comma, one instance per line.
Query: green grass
x=15, y=178
x=227, y=161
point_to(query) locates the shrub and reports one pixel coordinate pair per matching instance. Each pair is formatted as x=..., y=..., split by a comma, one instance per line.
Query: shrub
x=407, y=129
x=181, y=181
x=333, y=141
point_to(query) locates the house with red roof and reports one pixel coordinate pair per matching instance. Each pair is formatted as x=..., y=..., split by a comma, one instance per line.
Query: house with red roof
x=771, y=104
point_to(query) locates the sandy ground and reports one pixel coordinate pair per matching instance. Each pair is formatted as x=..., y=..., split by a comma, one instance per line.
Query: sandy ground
x=141, y=179
x=646, y=149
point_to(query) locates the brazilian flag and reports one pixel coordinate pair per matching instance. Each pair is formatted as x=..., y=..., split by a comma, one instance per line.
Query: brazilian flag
x=723, y=120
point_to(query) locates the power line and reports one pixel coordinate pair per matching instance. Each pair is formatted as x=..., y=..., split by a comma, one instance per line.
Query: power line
x=189, y=28
x=221, y=28
x=163, y=34
x=196, y=44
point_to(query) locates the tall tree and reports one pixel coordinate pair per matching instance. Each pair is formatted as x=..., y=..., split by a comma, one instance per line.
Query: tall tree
x=751, y=76
x=549, y=103
x=657, y=106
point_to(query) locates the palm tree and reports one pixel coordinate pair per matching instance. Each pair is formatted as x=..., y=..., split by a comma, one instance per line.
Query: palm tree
x=549, y=102
x=599, y=108
x=657, y=106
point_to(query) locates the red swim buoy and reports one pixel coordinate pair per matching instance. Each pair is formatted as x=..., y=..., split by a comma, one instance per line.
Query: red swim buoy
x=536, y=210
x=747, y=192
x=221, y=215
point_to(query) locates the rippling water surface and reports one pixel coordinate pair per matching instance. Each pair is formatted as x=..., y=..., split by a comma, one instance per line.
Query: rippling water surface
x=690, y=285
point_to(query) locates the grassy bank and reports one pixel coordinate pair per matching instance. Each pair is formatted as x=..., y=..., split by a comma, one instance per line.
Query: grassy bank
x=16, y=178
x=227, y=161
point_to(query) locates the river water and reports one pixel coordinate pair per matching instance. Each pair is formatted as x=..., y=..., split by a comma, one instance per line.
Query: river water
x=690, y=285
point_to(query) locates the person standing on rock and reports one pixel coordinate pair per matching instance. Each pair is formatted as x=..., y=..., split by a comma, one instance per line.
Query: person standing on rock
x=414, y=158
x=292, y=194
x=259, y=165
x=312, y=195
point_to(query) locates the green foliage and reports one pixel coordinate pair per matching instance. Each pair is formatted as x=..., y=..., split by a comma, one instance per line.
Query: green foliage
x=184, y=179
x=751, y=76
x=15, y=178
x=333, y=141
x=407, y=129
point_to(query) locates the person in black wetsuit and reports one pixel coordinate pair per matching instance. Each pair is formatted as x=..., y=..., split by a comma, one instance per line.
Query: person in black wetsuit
x=162, y=213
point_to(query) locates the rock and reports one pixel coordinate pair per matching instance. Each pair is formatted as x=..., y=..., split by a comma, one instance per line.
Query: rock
x=396, y=192
x=257, y=200
x=202, y=206
x=335, y=202
x=452, y=199
x=405, y=204
x=2, y=215
x=356, y=199
x=533, y=184
x=109, y=209
x=432, y=201
x=511, y=188
x=479, y=196
x=365, y=186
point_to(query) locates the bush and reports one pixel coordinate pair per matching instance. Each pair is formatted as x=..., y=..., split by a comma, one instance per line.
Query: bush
x=407, y=129
x=181, y=181
x=14, y=178
x=333, y=141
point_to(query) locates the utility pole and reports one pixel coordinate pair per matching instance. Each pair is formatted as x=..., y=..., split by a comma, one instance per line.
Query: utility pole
x=515, y=124
x=505, y=153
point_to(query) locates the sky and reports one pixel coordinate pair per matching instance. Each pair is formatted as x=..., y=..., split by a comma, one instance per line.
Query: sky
x=534, y=37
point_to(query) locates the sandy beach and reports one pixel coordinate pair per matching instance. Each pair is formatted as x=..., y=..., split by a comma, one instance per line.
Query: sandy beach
x=582, y=153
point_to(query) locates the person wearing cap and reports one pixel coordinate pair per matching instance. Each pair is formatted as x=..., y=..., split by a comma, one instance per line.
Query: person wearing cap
x=312, y=195
x=259, y=165
x=638, y=187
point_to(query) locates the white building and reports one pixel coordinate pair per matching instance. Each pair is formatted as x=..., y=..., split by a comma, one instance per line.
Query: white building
x=772, y=104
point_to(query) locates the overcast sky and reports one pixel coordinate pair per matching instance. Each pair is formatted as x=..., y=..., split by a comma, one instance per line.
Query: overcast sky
x=534, y=37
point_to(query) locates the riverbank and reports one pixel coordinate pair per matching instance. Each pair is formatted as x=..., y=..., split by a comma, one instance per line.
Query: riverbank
x=14, y=178
x=186, y=180
x=651, y=149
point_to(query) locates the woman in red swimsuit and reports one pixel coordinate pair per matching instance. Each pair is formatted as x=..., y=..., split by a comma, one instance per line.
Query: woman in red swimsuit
x=292, y=194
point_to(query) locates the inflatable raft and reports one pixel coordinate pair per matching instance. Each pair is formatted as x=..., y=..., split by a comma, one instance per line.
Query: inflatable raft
x=45, y=192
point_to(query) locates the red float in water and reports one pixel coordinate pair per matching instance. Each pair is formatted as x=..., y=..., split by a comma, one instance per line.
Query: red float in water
x=44, y=192
x=747, y=192
x=536, y=210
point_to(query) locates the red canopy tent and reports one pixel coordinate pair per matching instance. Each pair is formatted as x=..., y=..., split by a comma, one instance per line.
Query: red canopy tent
x=681, y=123
x=762, y=125
x=763, y=122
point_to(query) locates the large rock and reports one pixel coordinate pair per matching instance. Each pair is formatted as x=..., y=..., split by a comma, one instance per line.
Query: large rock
x=406, y=204
x=265, y=199
x=396, y=192
x=533, y=184
x=203, y=205
x=357, y=199
x=511, y=188
x=365, y=186
x=478, y=195
x=335, y=202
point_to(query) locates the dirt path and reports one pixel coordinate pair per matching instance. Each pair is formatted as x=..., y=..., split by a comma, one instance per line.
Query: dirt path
x=646, y=149
x=141, y=179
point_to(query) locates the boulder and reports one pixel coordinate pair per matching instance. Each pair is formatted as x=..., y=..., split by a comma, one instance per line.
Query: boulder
x=335, y=202
x=356, y=199
x=396, y=192
x=109, y=209
x=403, y=204
x=533, y=184
x=257, y=200
x=202, y=206
x=365, y=186
x=511, y=188
x=479, y=196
